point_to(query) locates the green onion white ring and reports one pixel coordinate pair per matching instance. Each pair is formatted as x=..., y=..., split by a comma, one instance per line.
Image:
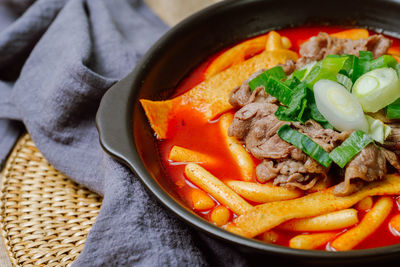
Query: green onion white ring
x=339, y=107
x=377, y=89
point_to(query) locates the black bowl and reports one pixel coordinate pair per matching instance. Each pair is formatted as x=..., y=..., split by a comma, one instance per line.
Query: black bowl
x=126, y=134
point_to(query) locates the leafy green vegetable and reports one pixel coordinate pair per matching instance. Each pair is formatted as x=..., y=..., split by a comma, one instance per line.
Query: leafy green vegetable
x=306, y=144
x=304, y=71
x=314, y=112
x=302, y=111
x=279, y=90
x=393, y=110
x=292, y=82
x=262, y=79
x=296, y=107
x=300, y=74
x=353, y=145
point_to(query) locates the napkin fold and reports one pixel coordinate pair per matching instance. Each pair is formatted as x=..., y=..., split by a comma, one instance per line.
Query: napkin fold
x=56, y=62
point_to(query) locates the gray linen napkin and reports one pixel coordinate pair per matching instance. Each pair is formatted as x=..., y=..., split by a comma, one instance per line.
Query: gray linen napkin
x=56, y=62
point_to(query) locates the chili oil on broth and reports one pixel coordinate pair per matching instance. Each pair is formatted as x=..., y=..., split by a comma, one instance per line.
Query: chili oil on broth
x=189, y=129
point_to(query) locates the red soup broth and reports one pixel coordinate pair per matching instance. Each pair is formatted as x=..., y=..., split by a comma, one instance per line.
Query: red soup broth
x=190, y=130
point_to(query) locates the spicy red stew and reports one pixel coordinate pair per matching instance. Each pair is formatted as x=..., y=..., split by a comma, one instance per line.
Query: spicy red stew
x=291, y=138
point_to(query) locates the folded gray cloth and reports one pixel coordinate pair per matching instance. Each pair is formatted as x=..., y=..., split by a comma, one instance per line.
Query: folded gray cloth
x=56, y=62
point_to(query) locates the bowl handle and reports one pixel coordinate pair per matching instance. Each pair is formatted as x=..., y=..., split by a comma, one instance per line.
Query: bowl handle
x=115, y=137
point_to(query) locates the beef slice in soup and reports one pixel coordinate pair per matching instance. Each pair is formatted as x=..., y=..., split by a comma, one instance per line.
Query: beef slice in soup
x=392, y=142
x=318, y=47
x=369, y=165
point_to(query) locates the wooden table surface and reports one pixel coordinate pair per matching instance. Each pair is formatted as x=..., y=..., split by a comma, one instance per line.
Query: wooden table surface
x=171, y=12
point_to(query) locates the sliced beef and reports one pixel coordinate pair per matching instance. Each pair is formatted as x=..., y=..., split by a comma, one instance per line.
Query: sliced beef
x=288, y=67
x=300, y=174
x=328, y=139
x=369, y=165
x=391, y=158
x=245, y=116
x=392, y=142
x=256, y=125
x=242, y=95
x=267, y=170
x=318, y=47
x=378, y=45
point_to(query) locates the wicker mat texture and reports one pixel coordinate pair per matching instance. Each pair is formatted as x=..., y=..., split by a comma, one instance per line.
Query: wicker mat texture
x=44, y=216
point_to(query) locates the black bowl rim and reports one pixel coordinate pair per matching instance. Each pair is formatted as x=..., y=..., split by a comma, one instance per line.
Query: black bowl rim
x=120, y=145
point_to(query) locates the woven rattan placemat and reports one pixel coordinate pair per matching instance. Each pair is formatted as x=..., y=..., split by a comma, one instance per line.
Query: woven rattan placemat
x=45, y=217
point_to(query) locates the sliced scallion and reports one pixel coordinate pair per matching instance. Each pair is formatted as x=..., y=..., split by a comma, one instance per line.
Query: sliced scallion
x=377, y=129
x=377, y=88
x=305, y=144
x=295, y=109
x=361, y=64
x=383, y=62
x=325, y=69
x=345, y=81
x=339, y=106
x=353, y=145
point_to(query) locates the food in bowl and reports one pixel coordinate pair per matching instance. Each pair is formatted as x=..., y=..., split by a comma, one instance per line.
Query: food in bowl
x=291, y=138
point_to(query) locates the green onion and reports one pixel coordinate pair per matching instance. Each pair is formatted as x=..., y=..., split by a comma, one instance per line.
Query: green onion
x=365, y=55
x=325, y=69
x=292, y=82
x=314, y=112
x=334, y=63
x=295, y=108
x=279, y=90
x=299, y=74
x=377, y=129
x=302, y=111
x=377, y=89
x=306, y=144
x=361, y=64
x=318, y=73
x=383, y=62
x=262, y=79
x=353, y=145
x=347, y=68
x=396, y=67
x=345, y=81
x=304, y=71
x=339, y=106
x=393, y=110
